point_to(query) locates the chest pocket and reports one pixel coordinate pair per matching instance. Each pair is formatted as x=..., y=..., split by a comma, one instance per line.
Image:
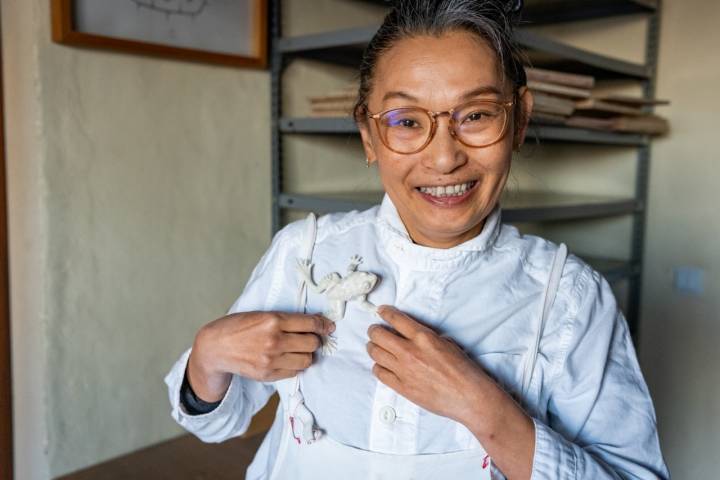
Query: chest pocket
x=517, y=373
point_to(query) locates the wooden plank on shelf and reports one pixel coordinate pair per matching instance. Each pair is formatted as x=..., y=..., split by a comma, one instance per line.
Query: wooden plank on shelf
x=548, y=118
x=559, y=78
x=594, y=123
x=628, y=100
x=348, y=97
x=546, y=103
x=560, y=90
x=648, y=124
x=552, y=133
x=340, y=111
x=593, y=106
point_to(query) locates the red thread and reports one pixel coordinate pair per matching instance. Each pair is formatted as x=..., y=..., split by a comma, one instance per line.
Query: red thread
x=486, y=461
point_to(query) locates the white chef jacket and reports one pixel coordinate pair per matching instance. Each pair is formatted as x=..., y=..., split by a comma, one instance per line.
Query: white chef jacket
x=592, y=411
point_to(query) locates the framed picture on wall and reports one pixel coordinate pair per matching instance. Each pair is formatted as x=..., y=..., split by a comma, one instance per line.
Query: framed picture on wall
x=230, y=32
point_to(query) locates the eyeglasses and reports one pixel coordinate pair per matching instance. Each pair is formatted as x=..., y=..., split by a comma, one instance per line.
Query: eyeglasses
x=407, y=130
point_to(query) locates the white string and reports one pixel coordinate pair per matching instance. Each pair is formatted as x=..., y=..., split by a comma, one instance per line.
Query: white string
x=549, y=298
x=306, y=251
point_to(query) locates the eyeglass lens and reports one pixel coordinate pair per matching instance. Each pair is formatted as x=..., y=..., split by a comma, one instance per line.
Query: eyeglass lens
x=477, y=124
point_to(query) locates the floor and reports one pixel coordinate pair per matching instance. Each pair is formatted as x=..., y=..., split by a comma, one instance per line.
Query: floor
x=184, y=458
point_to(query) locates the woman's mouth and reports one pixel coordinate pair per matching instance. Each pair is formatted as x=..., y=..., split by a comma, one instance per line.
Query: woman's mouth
x=447, y=195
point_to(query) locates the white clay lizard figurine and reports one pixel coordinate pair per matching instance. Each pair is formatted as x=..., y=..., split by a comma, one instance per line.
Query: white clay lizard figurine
x=308, y=432
x=338, y=290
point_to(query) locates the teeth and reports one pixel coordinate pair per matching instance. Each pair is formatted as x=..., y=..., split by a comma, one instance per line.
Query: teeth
x=448, y=191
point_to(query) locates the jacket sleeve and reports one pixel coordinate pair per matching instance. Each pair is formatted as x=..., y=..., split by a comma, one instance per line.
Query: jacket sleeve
x=244, y=396
x=601, y=421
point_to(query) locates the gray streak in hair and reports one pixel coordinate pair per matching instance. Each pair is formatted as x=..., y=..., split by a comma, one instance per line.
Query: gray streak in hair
x=493, y=21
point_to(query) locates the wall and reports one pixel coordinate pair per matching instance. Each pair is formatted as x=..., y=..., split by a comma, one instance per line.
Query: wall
x=139, y=201
x=680, y=333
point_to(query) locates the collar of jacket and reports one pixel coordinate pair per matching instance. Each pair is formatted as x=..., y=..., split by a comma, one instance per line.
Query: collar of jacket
x=405, y=251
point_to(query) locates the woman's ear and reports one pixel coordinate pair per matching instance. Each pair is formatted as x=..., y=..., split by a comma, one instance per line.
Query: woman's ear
x=525, y=101
x=367, y=141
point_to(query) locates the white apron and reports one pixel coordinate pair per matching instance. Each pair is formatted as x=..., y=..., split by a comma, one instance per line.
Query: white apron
x=325, y=458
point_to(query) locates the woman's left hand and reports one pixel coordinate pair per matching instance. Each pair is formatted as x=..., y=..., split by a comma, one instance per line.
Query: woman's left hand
x=434, y=373
x=426, y=368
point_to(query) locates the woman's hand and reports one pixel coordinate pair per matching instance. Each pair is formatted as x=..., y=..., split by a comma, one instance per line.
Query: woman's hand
x=263, y=346
x=434, y=373
x=427, y=369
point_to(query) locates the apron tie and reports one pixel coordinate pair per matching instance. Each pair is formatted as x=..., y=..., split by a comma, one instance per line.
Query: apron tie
x=298, y=411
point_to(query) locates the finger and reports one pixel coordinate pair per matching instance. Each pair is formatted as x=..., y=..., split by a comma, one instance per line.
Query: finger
x=400, y=321
x=299, y=323
x=299, y=342
x=292, y=361
x=381, y=356
x=388, y=340
x=387, y=377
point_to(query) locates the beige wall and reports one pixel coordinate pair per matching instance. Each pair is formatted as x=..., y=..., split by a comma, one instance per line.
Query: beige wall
x=139, y=201
x=680, y=334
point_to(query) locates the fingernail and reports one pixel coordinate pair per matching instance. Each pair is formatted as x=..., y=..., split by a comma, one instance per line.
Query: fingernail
x=332, y=326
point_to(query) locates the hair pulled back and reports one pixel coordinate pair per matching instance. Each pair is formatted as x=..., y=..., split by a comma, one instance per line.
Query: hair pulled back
x=492, y=21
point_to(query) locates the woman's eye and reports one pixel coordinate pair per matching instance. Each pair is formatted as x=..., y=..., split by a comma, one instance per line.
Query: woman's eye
x=478, y=117
x=404, y=122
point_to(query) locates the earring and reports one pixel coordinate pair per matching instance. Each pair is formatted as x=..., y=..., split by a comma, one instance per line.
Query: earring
x=367, y=162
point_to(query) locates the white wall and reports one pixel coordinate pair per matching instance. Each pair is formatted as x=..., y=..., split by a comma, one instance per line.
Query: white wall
x=139, y=201
x=680, y=334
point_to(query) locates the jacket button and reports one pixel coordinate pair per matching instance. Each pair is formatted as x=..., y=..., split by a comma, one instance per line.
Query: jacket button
x=387, y=415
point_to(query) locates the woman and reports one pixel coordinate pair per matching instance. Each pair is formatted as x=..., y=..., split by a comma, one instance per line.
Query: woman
x=491, y=352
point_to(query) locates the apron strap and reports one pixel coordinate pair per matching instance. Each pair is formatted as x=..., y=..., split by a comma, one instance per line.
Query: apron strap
x=306, y=251
x=298, y=411
x=548, y=299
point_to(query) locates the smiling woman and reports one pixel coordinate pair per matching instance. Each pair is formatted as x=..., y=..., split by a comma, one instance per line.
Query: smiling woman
x=422, y=157
x=492, y=354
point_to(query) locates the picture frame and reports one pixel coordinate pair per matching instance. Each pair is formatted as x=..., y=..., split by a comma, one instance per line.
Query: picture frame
x=227, y=32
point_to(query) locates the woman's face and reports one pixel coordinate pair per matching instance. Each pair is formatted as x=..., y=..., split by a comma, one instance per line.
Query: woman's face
x=439, y=73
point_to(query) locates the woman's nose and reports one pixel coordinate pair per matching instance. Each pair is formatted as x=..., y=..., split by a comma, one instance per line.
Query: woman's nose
x=444, y=154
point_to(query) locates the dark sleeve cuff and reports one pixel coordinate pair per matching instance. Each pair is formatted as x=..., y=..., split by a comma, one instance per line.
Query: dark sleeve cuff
x=191, y=403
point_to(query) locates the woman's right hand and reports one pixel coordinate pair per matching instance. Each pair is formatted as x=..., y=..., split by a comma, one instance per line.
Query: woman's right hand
x=263, y=346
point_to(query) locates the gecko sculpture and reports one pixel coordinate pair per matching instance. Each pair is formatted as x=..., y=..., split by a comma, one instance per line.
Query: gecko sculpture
x=338, y=290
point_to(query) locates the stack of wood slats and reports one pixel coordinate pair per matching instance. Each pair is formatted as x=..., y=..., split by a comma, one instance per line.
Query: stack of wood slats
x=334, y=104
x=555, y=94
x=561, y=98
x=569, y=99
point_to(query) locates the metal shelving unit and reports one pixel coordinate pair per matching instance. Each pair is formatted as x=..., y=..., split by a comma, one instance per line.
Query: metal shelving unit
x=344, y=47
x=518, y=207
x=548, y=133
